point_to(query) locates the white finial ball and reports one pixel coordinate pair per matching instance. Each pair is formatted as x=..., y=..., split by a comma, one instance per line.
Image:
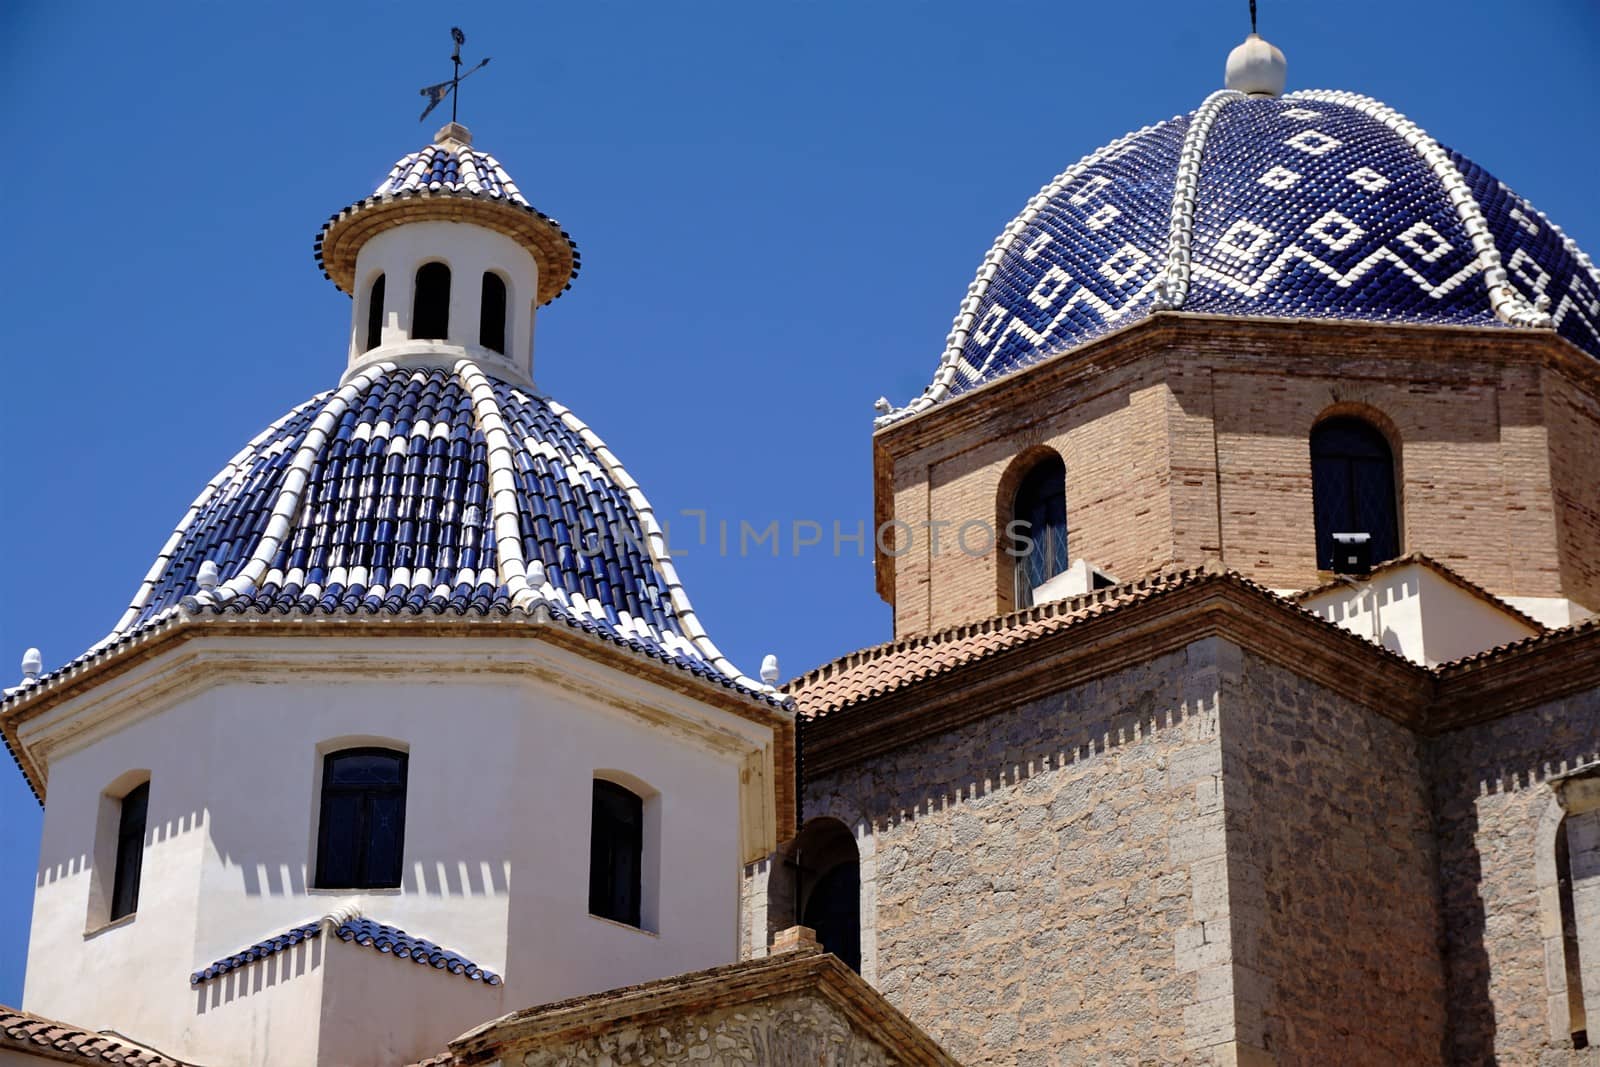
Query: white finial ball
x=882, y=405
x=769, y=670
x=32, y=665
x=207, y=578
x=1257, y=68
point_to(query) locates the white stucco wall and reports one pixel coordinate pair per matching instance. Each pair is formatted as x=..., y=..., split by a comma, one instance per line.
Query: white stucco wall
x=1416, y=612
x=504, y=736
x=468, y=251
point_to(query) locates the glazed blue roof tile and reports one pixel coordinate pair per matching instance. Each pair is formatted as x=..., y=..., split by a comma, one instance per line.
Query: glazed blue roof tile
x=1314, y=205
x=361, y=931
x=451, y=168
x=375, y=498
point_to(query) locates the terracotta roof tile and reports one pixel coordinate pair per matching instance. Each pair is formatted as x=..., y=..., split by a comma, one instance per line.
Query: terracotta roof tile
x=875, y=671
x=22, y=1031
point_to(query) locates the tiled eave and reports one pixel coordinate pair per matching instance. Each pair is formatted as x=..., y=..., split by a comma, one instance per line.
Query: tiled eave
x=883, y=698
x=30, y=1035
x=342, y=236
x=1093, y=636
x=172, y=629
x=1010, y=403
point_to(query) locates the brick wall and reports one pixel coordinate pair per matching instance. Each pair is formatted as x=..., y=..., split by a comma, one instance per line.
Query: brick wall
x=1494, y=811
x=1188, y=438
x=1332, y=860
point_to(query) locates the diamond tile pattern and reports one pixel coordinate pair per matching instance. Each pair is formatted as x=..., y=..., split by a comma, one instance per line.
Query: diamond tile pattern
x=361, y=931
x=1275, y=175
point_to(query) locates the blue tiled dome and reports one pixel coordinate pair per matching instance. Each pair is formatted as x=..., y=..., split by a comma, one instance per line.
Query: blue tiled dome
x=1314, y=205
x=430, y=491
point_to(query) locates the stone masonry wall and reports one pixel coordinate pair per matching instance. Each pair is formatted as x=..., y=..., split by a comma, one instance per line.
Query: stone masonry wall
x=790, y=1031
x=1045, y=876
x=1495, y=813
x=1332, y=871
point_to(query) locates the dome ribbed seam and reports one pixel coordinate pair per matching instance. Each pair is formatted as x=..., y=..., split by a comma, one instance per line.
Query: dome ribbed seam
x=287, y=504
x=1174, y=286
x=510, y=566
x=1508, y=304
x=656, y=544
x=956, y=342
x=141, y=596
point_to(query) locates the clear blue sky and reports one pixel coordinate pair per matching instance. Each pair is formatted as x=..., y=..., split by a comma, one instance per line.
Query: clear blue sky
x=779, y=205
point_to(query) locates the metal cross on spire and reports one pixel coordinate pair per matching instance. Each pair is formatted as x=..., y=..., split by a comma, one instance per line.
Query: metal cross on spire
x=1252, y=18
x=451, y=88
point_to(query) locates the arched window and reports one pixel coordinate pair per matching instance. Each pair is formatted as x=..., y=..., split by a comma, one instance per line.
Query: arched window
x=829, y=872
x=492, y=313
x=430, y=304
x=1570, y=950
x=616, y=853
x=361, y=831
x=375, y=314
x=1352, y=488
x=133, y=814
x=1041, y=504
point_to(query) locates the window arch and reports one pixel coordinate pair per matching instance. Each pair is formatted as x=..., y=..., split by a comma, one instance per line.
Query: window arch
x=616, y=854
x=375, y=314
x=492, y=313
x=430, y=303
x=361, y=825
x=828, y=872
x=1353, y=487
x=1040, y=507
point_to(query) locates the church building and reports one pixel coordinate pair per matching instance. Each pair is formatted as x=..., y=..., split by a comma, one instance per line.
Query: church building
x=1242, y=705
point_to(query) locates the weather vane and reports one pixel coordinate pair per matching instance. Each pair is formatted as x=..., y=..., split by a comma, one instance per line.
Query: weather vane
x=452, y=88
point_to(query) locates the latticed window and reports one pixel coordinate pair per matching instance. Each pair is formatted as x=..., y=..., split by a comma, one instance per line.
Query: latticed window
x=616, y=853
x=1041, y=504
x=1352, y=485
x=131, y=819
x=361, y=833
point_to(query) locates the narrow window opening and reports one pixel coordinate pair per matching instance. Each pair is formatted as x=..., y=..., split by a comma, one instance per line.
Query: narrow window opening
x=375, y=314
x=616, y=853
x=1578, y=1023
x=131, y=820
x=492, y=313
x=828, y=886
x=430, y=306
x=1353, y=488
x=1041, y=510
x=361, y=829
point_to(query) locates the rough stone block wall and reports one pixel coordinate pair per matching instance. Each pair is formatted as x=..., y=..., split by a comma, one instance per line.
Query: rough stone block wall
x=1045, y=876
x=791, y=1030
x=1496, y=813
x=1332, y=867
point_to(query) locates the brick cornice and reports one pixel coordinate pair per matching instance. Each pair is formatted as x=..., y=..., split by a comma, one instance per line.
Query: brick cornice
x=1517, y=677
x=1216, y=606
